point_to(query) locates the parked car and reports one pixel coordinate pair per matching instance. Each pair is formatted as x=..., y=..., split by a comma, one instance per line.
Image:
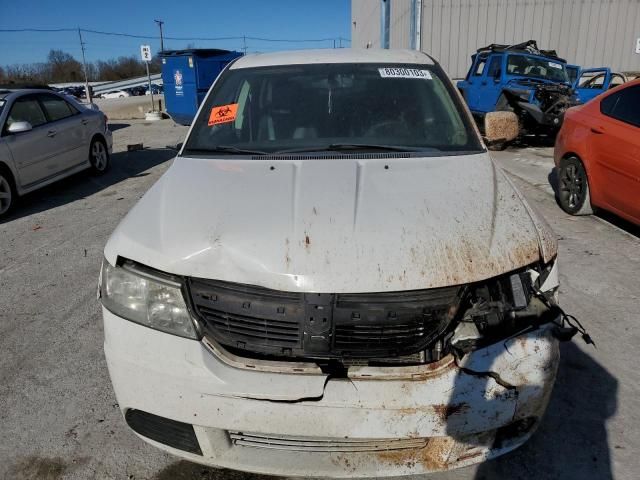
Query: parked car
x=137, y=91
x=116, y=94
x=594, y=81
x=596, y=155
x=156, y=89
x=44, y=137
x=313, y=286
x=521, y=78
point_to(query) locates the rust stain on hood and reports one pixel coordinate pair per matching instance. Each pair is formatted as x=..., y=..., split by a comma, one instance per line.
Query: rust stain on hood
x=425, y=223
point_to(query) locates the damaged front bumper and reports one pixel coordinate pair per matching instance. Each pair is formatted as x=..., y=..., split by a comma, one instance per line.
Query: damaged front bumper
x=379, y=421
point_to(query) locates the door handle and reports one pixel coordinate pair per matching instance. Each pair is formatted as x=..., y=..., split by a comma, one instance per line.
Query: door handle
x=484, y=82
x=84, y=121
x=51, y=133
x=597, y=130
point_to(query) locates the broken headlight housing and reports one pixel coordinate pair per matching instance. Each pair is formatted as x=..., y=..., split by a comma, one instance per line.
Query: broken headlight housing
x=146, y=297
x=507, y=305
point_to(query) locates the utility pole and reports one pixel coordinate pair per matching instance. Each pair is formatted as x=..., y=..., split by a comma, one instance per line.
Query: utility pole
x=160, y=23
x=84, y=67
x=385, y=18
x=415, y=40
x=244, y=44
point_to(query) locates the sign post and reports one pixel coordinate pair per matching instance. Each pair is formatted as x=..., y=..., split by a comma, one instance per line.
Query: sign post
x=145, y=53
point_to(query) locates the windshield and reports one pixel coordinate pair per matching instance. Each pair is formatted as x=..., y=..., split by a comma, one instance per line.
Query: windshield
x=2, y=102
x=537, y=67
x=332, y=107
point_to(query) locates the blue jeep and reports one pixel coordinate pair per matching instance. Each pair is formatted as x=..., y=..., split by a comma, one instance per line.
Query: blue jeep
x=532, y=83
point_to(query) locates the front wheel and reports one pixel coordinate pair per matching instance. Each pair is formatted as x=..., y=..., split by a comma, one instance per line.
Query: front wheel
x=8, y=194
x=98, y=156
x=573, y=187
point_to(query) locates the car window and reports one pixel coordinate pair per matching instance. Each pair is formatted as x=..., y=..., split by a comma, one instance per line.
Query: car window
x=494, y=67
x=55, y=107
x=538, y=67
x=593, y=82
x=480, y=67
x=26, y=109
x=623, y=105
x=616, y=81
x=274, y=109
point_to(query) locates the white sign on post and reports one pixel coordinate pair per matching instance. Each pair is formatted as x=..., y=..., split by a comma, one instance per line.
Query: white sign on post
x=638, y=46
x=145, y=53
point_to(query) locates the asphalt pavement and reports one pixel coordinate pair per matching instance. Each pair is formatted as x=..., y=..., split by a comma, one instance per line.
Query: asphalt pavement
x=58, y=415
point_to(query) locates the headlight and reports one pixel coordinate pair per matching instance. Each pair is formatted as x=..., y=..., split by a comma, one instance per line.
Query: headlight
x=145, y=298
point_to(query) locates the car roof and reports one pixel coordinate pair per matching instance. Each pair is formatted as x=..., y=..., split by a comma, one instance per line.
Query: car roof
x=338, y=55
x=24, y=91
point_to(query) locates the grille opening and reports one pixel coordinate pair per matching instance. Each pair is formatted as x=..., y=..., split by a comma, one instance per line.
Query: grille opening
x=163, y=430
x=317, y=444
x=331, y=330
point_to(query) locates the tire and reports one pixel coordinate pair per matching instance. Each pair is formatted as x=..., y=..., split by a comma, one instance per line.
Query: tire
x=8, y=194
x=573, y=187
x=98, y=156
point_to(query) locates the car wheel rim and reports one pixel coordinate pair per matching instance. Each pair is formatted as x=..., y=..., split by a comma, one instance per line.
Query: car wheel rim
x=572, y=186
x=5, y=195
x=99, y=154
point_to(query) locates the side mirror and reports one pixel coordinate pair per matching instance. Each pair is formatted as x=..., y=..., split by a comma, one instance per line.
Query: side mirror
x=19, y=127
x=500, y=127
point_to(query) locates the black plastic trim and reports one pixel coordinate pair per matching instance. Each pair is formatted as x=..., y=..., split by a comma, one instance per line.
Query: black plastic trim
x=169, y=432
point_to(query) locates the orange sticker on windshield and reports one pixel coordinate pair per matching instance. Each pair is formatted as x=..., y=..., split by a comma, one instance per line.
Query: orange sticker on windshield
x=223, y=114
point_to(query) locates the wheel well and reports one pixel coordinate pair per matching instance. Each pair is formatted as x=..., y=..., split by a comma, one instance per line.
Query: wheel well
x=5, y=168
x=99, y=136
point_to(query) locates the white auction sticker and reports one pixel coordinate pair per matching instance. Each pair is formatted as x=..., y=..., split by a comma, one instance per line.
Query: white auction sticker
x=555, y=65
x=399, y=72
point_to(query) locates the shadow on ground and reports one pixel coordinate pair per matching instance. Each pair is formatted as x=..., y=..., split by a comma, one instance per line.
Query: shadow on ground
x=183, y=470
x=571, y=442
x=123, y=165
x=608, y=216
x=117, y=126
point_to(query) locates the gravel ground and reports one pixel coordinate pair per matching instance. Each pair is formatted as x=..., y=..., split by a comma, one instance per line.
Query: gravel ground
x=58, y=414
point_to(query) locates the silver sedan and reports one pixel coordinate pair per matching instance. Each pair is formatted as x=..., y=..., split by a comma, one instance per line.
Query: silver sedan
x=44, y=137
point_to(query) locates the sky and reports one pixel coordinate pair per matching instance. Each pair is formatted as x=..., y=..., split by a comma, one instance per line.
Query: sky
x=273, y=19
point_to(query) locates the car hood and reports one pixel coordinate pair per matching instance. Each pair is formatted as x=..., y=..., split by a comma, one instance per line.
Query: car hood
x=334, y=225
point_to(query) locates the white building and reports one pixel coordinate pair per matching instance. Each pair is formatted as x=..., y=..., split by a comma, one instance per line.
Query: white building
x=590, y=33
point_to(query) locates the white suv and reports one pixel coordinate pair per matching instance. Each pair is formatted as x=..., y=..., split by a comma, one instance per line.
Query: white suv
x=332, y=279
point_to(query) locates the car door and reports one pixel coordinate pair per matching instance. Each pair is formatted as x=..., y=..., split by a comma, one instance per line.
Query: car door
x=66, y=130
x=616, y=142
x=592, y=82
x=491, y=85
x=474, y=92
x=31, y=151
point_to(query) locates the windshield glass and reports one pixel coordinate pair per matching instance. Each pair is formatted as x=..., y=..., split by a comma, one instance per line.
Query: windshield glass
x=537, y=67
x=332, y=107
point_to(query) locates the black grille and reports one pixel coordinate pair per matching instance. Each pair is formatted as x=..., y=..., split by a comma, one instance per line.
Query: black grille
x=169, y=432
x=321, y=325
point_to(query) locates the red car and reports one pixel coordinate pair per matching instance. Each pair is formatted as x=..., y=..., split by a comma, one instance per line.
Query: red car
x=597, y=155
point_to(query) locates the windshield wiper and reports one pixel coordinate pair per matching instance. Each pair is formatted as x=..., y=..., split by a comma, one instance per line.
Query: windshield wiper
x=345, y=147
x=225, y=149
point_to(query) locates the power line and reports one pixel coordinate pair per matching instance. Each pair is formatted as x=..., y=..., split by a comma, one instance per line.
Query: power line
x=153, y=37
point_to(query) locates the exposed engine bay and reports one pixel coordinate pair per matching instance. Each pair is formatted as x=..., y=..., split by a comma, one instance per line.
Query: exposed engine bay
x=539, y=103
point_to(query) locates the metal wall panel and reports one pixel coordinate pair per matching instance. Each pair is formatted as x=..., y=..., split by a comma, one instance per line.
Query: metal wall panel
x=400, y=23
x=365, y=24
x=590, y=33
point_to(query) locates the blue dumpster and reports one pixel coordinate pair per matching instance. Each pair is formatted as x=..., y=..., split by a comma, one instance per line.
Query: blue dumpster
x=187, y=76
